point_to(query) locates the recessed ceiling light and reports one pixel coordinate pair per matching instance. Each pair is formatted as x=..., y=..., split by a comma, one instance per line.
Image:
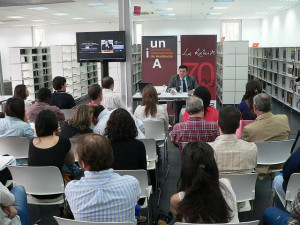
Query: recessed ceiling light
x=219, y=7
x=212, y=13
x=37, y=20
x=91, y=21
x=159, y=1
x=19, y=25
x=164, y=9
x=224, y=0
x=172, y=18
x=14, y=17
x=78, y=18
x=61, y=14
x=168, y=14
x=97, y=4
x=112, y=11
x=38, y=8
x=262, y=13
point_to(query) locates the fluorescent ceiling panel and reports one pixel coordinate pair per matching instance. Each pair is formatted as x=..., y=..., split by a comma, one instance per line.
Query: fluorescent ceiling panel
x=159, y=1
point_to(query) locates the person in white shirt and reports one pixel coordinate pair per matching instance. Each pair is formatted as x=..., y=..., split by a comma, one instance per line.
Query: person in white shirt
x=101, y=116
x=110, y=99
x=150, y=110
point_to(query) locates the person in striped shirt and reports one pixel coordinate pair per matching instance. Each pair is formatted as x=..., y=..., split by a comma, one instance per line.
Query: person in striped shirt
x=101, y=195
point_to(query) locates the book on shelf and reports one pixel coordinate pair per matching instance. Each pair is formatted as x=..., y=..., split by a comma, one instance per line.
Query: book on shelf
x=297, y=103
x=290, y=68
x=284, y=54
x=283, y=68
x=276, y=91
x=275, y=78
x=283, y=82
x=277, y=53
x=265, y=75
x=291, y=84
x=293, y=55
x=298, y=55
x=277, y=66
x=289, y=98
x=282, y=95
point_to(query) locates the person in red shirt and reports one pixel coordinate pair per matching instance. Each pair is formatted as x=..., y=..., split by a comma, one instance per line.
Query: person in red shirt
x=210, y=112
x=95, y=94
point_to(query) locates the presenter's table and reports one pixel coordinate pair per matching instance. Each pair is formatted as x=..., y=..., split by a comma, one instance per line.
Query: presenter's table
x=164, y=96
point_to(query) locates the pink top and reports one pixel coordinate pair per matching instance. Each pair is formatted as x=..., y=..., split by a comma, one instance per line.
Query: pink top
x=211, y=114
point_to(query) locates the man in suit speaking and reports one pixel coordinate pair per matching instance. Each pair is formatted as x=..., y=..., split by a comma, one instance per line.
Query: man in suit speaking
x=107, y=45
x=182, y=83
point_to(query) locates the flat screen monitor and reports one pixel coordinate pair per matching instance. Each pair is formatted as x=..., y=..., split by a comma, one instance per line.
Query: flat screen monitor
x=143, y=85
x=101, y=46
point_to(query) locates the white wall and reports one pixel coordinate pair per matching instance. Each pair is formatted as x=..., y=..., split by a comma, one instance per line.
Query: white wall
x=251, y=31
x=12, y=37
x=282, y=29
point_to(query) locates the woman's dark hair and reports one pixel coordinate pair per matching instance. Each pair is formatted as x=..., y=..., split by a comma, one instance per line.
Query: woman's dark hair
x=45, y=123
x=20, y=91
x=253, y=88
x=150, y=100
x=120, y=126
x=15, y=107
x=204, y=94
x=199, y=179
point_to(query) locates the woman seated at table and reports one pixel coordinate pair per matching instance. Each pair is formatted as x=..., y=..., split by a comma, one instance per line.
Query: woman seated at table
x=210, y=112
x=150, y=110
x=129, y=153
x=48, y=149
x=246, y=106
x=80, y=122
x=21, y=91
x=202, y=197
x=14, y=125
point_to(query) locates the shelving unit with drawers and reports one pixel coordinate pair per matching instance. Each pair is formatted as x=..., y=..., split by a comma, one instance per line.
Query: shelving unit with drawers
x=232, y=71
x=79, y=76
x=31, y=66
x=277, y=68
x=136, y=66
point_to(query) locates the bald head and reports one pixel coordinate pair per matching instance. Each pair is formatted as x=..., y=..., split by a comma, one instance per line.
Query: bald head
x=194, y=105
x=262, y=102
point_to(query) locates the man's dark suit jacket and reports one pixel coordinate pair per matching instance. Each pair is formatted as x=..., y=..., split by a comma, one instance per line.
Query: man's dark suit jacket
x=175, y=82
x=109, y=47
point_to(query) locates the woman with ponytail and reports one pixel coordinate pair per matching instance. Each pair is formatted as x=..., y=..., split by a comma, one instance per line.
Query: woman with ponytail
x=202, y=197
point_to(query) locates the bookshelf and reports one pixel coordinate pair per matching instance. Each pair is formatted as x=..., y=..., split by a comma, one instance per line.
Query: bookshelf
x=232, y=71
x=277, y=68
x=79, y=76
x=136, y=66
x=31, y=66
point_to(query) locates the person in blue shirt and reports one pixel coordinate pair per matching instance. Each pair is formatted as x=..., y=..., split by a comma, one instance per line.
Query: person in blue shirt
x=14, y=124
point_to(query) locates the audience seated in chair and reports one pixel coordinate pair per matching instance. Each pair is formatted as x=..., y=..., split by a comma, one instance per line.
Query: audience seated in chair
x=292, y=165
x=21, y=91
x=150, y=110
x=276, y=216
x=95, y=94
x=210, y=112
x=14, y=123
x=195, y=128
x=253, y=88
x=14, y=208
x=60, y=98
x=101, y=116
x=233, y=155
x=43, y=100
x=110, y=99
x=119, y=194
x=49, y=149
x=80, y=122
x=267, y=127
x=202, y=197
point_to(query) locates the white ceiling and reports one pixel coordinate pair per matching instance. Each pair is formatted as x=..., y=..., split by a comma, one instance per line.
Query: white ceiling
x=183, y=10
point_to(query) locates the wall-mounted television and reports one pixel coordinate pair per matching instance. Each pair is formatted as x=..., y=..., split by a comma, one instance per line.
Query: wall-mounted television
x=101, y=46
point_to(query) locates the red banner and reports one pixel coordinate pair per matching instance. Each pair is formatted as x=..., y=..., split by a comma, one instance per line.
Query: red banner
x=159, y=59
x=198, y=53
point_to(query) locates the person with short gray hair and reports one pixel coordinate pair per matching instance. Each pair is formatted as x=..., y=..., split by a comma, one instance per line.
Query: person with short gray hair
x=194, y=105
x=195, y=128
x=267, y=127
x=263, y=102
